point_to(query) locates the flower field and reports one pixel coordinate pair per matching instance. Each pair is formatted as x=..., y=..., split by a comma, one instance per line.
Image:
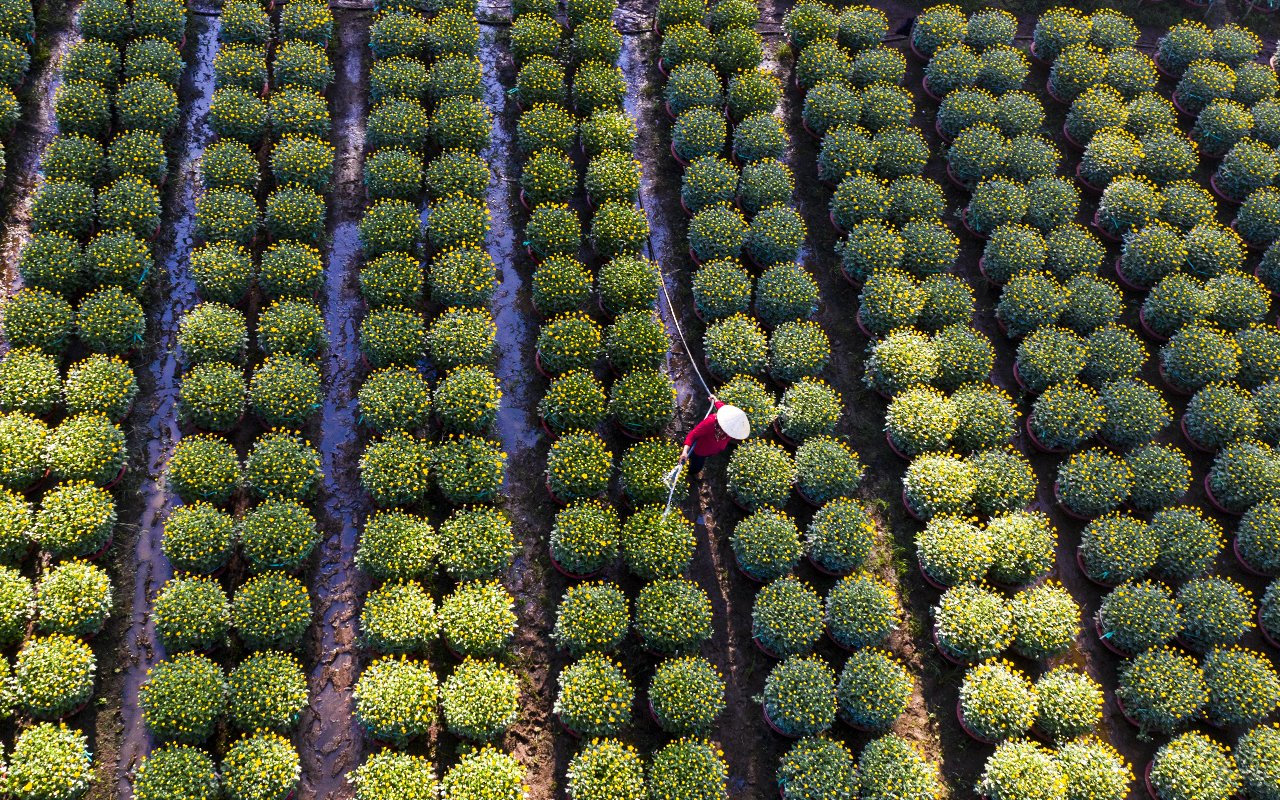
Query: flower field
x=347, y=349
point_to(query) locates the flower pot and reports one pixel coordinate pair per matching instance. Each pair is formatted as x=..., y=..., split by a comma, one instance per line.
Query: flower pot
x=787, y=440
x=574, y=733
x=982, y=270
x=955, y=181
x=1071, y=140
x=1035, y=440
x=937, y=128
x=1102, y=230
x=666, y=106
x=910, y=511
x=911, y=42
x=856, y=726
x=1048, y=88
x=1090, y=578
x=763, y=648
x=697, y=262
x=1191, y=440
x=1064, y=508
x=1083, y=181
x=1147, y=329
x=808, y=130
x=823, y=570
x=546, y=481
x=1036, y=57
x=1245, y=564
x=934, y=96
x=101, y=551
x=1169, y=383
x=862, y=326
x=1266, y=637
x=1223, y=196
x=1178, y=105
x=1124, y=712
x=806, y=498
x=945, y=652
x=1124, y=279
x=1146, y=773
x=968, y=226
x=533, y=254
x=684, y=207
x=738, y=564
x=964, y=726
x=552, y=435
x=765, y=712
x=827, y=630
x=678, y=159
x=929, y=579
x=111, y=484
x=1017, y=378
x=524, y=201
x=37, y=485
x=627, y=433
x=897, y=451
x=1213, y=500
x=575, y=576
x=1106, y=642
x=831, y=215
x=537, y=362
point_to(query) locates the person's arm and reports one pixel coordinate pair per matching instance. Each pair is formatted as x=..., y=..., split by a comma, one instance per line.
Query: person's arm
x=707, y=424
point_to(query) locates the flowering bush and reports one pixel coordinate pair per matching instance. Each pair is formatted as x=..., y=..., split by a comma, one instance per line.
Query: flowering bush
x=1130, y=72
x=75, y=519
x=213, y=396
x=826, y=468
x=399, y=618
x=1243, y=687
x=760, y=473
x=1197, y=355
x=1046, y=619
x=1093, y=482
x=607, y=129
x=268, y=691
x=973, y=623
x=183, y=697
x=478, y=619
x=198, y=537
x=953, y=550
x=757, y=138
x=240, y=114
x=22, y=451
x=1193, y=765
x=578, y=466
x=936, y=27
x=672, y=616
x=939, y=484
x=595, y=697
x=278, y=534
x=995, y=203
x=82, y=107
x=585, y=536
x=1068, y=704
x=1111, y=152
x=1237, y=299
x=469, y=469
x=74, y=599
x=192, y=613
x=766, y=544
x=997, y=701
x=862, y=610
x=1220, y=125
x=757, y=402
x=799, y=696
x=476, y=543
x=1078, y=68
x=1215, y=611
x=1253, y=757
x=51, y=261
x=480, y=700
x=560, y=284
x=798, y=350
x=51, y=762
x=591, y=618
x=1021, y=768
x=1066, y=415
x=53, y=676
x=40, y=319
x=643, y=471
x=873, y=690
x=686, y=695
x=919, y=420
x=1247, y=166
x=892, y=761
x=962, y=354
x=1047, y=356
x=176, y=770
x=1022, y=545
x=1203, y=81
x=817, y=767
x=606, y=768
x=787, y=618
x=28, y=382
x=618, y=229
x=462, y=337
x=271, y=611
x=1162, y=690
x=1258, y=220
x=597, y=86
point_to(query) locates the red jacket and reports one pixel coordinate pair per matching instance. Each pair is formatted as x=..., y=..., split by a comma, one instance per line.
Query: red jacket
x=706, y=438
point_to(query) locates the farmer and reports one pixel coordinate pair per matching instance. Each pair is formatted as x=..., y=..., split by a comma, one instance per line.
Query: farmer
x=713, y=435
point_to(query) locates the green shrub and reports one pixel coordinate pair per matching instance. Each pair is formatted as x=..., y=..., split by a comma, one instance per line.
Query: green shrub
x=893, y=761
x=787, y=618
x=271, y=611
x=192, y=613
x=595, y=697
x=50, y=762
x=396, y=545
x=183, y=697
x=1193, y=765
x=973, y=623
x=758, y=137
x=267, y=691
x=469, y=469
x=655, y=547
x=686, y=695
x=1215, y=612
x=799, y=696
x=260, y=765
x=399, y=617
x=1021, y=768
x=476, y=543
x=177, y=770
x=672, y=616
x=486, y=772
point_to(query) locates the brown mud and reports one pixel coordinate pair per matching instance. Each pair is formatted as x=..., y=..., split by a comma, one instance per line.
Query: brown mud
x=749, y=748
x=534, y=739
x=154, y=431
x=56, y=30
x=329, y=738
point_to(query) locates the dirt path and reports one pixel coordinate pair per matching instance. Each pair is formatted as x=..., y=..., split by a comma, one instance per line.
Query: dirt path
x=535, y=739
x=330, y=741
x=56, y=30
x=750, y=750
x=142, y=567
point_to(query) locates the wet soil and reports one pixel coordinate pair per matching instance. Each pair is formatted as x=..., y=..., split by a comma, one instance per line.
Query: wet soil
x=330, y=740
x=55, y=32
x=154, y=430
x=535, y=739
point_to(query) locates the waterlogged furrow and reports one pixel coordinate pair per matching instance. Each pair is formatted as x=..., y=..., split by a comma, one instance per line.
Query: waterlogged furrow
x=331, y=741
x=149, y=568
